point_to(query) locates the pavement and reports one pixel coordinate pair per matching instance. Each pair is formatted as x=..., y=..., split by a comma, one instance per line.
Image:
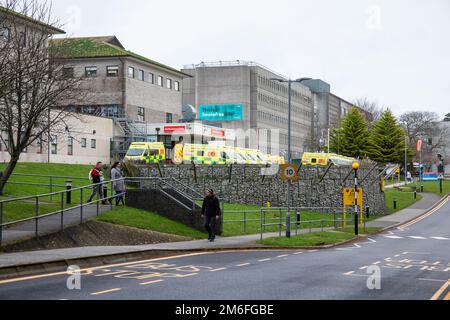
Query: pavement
x=238, y=242
x=408, y=262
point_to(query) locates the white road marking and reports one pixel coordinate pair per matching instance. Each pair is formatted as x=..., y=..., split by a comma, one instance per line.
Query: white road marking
x=349, y=273
x=343, y=249
x=150, y=282
x=362, y=268
x=298, y=253
x=312, y=251
x=417, y=238
x=435, y=280
x=243, y=265
x=217, y=270
x=264, y=260
x=440, y=238
x=283, y=256
x=393, y=237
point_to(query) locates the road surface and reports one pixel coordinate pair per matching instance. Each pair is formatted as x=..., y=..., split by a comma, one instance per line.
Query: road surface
x=413, y=261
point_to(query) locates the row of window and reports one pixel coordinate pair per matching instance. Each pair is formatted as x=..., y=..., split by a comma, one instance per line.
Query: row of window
x=283, y=105
x=150, y=78
x=141, y=115
x=277, y=86
x=4, y=145
x=6, y=35
x=275, y=119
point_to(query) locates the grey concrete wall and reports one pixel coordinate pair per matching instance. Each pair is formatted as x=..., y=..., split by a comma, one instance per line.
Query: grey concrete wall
x=245, y=184
x=156, y=201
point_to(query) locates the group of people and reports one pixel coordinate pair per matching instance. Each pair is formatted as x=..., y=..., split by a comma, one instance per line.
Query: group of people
x=118, y=183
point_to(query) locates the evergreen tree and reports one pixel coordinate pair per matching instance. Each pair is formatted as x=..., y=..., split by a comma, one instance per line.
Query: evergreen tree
x=353, y=138
x=387, y=140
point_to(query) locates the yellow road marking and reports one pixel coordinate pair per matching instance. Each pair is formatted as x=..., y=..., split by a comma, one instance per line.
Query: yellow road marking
x=447, y=297
x=406, y=225
x=106, y=291
x=440, y=291
x=90, y=270
x=217, y=270
x=150, y=282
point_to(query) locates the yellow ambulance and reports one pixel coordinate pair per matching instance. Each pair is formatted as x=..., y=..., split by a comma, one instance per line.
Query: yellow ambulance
x=146, y=152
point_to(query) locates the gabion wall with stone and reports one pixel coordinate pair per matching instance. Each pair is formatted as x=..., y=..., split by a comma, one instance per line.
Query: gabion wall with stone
x=248, y=184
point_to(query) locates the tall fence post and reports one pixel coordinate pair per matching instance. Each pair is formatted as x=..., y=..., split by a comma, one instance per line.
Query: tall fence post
x=260, y=222
x=62, y=211
x=81, y=205
x=51, y=188
x=37, y=216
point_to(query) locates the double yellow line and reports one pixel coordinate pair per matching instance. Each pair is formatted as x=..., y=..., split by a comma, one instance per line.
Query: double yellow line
x=440, y=292
x=428, y=214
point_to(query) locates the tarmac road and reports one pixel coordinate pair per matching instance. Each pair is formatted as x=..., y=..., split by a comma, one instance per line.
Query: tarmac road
x=413, y=261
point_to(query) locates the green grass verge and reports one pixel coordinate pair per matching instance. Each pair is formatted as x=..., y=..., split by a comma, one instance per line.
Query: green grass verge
x=148, y=221
x=433, y=187
x=404, y=200
x=18, y=210
x=316, y=238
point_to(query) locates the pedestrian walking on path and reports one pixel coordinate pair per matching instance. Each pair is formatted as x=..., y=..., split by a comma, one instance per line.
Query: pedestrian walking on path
x=211, y=213
x=118, y=183
x=96, y=176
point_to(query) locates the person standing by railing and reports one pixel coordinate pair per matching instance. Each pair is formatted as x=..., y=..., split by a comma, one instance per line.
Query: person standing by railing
x=118, y=183
x=96, y=176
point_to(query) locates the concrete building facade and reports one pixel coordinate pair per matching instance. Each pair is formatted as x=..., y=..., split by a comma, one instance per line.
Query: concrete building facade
x=264, y=123
x=86, y=140
x=122, y=84
x=329, y=111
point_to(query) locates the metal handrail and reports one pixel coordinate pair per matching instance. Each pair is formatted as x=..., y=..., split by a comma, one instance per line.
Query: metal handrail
x=59, y=192
x=47, y=176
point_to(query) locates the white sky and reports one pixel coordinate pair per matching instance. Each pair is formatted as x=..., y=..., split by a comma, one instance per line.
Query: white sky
x=396, y=52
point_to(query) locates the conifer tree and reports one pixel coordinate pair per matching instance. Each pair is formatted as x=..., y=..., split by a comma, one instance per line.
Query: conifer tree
x=353, y=138
x=387, y=140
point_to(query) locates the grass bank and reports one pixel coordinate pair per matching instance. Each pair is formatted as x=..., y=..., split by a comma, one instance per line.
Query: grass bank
x=316, y=238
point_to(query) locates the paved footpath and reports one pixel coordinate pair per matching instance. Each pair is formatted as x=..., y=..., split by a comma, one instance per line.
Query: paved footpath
x=52, y=223
x=247, y=241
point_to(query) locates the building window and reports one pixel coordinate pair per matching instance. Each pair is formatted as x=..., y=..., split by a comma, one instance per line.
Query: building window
x=112, y=71
x=93, y=144
x=68, y=72
x=23, y=39
x=169, y=118
x=141, y=75
x=169, y=84
x=5, y=34
x=160, y=81
x=177, y=86
x=70, y=146
x=151, y=78
x=141, y=114
x=39, y=145
x=54, y=143
x=131, y=72
x=83, y=142
x=91, y=72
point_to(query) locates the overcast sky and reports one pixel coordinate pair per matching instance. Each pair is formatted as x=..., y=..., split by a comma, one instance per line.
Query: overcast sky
x=396, y=52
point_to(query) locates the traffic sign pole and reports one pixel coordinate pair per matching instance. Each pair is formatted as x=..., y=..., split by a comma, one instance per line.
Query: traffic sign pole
x=355, y=167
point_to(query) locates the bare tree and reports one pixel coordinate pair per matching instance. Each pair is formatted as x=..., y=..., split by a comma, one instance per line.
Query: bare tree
x=34, y=85
x=369, y=106
x=424, y=125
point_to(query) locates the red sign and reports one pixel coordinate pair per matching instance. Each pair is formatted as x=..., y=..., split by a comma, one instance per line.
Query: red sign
x=419, y=145
x=220, y=133
x=171, y=129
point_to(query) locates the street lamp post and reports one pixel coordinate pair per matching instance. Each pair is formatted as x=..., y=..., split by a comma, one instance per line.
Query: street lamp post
x=288, y=201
